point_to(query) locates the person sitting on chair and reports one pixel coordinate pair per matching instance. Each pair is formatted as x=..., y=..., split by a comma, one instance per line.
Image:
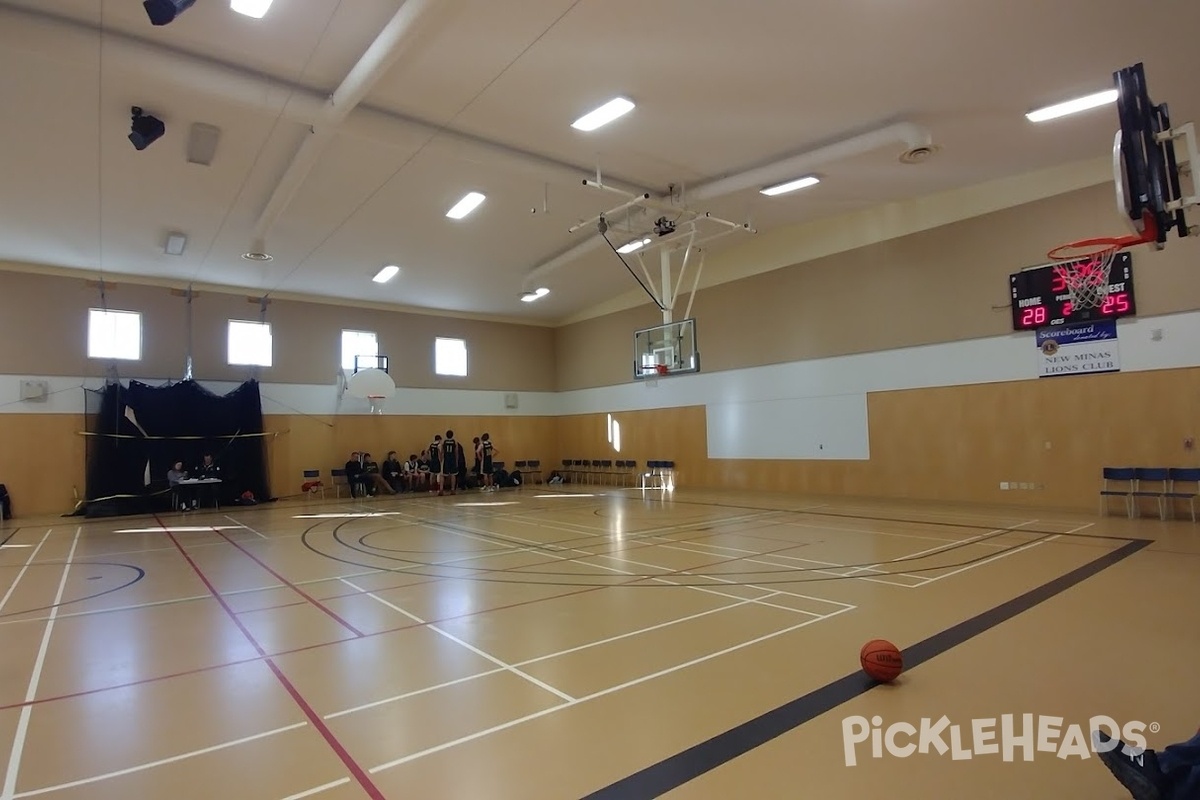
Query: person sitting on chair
x=208, y=469
x=174, y=475
x=354, y=477
x=1172, y=773
x=393, y=471
x=371, y=477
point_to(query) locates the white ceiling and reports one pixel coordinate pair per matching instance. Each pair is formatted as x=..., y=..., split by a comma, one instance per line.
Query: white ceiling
x=721, y=87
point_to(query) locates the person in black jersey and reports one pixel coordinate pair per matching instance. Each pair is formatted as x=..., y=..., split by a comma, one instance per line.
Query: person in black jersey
x=435, y=463
x=487, y=451
x=449, y=462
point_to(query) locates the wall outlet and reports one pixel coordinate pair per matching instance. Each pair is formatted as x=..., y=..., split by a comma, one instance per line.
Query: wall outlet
x=1004, y=486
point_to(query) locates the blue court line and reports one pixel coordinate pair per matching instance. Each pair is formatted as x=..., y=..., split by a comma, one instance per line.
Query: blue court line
x=683, y=767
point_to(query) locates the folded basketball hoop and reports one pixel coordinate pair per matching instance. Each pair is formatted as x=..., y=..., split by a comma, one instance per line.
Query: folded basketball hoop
x=1085, y=265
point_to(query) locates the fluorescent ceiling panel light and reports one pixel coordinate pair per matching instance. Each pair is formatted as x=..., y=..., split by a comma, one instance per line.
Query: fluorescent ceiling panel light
x=636, y=244
x=791, y=186
x=251, y=8
x=386, y=274
x=1073, y=106
x=617, y=107
x=175, y=244
x=528, y=297
x=465, y=206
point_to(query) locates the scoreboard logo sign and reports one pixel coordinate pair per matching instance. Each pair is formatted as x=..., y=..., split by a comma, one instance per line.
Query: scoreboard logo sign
x=1078, y=349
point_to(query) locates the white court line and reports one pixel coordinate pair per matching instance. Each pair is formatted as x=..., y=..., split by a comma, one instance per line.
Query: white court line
x=317, y=790
x=468, y=645
x=793, y=558
x=247, y=527
x=784, y=569
x=21, y=574
x=512, y=723
x=537, y=659
x=161, y=762
x=996, y=557
x=18, y=747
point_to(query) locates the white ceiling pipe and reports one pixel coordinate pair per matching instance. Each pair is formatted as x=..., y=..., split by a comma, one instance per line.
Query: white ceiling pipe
x=908, y=134
x=401, y=31
x=39, y=33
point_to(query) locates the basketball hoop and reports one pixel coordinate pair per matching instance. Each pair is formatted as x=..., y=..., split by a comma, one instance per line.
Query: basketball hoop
x=1085, y=265
x=662, y=369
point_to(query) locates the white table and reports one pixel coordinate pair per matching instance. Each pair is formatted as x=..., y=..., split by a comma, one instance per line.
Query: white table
x=201, y=482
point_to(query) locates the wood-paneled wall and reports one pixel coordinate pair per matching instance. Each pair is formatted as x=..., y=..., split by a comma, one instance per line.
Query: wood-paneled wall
x=952, y=444
x=42, y=455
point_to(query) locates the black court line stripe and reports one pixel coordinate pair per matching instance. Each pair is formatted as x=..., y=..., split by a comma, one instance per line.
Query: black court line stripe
x=683, y=767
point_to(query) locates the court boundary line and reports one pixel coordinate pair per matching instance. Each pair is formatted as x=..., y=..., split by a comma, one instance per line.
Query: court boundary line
x=687, y=765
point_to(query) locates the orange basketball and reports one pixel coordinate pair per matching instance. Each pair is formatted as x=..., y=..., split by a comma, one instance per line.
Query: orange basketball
x=881, y=660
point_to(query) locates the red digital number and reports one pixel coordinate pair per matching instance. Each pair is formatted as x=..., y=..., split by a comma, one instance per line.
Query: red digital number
x=1066, y=311
x=1115, y=304
x=1060, y=283
x=1035, y=315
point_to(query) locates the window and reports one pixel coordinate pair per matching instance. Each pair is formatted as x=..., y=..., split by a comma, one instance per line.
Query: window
x=450, y=357
x=114, y=334
x=249, y=343
x=357, y=343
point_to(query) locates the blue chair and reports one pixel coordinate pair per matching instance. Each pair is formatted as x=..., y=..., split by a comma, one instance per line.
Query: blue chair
x=1188, y=475
x=1118, y=475
x=1159, y=476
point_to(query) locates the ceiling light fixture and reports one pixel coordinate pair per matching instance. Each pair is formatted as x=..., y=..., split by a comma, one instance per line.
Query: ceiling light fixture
x=791, y=186
x=536, y=294
x=636, y=244
x=251, y=8
x=259, y=253
x=1073, y=106
x=463, y=207
x=617, y=107
x=175, y=244
x=164, y=12
x=386, y=274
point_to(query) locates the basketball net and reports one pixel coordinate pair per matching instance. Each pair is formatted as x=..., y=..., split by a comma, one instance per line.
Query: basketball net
x=1085, y=265
x=376, y=401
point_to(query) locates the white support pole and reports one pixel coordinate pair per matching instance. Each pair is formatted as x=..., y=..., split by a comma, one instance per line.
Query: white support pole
x=649, y=280
x=668, y=299
x=597, y=184
x=683, y=268
x=695, y=284
x=611, y=212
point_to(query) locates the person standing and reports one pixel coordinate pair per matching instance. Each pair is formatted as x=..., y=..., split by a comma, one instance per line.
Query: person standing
x=449, y=463
x=487, y=451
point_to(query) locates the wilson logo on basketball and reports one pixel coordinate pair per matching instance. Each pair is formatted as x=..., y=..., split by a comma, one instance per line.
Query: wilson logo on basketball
x=1007, y=737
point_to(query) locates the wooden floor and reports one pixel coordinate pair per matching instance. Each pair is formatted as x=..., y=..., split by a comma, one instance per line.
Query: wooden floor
x=540, y=643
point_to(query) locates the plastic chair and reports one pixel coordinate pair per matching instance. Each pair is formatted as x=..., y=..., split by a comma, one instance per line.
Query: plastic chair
x=1126, y=475
x=535, y=469
x=1179, y=475
x=1152, y=475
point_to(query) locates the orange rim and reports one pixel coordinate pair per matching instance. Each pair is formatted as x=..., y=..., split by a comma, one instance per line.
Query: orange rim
x=1101, y=245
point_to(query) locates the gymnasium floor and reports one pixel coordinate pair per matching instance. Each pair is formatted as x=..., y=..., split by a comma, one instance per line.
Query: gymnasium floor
x=557, y=643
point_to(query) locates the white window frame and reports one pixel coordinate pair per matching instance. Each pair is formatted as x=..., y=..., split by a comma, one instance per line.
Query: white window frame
x=102, y=335
x=245, y=360
x=441, y=365
x=348, y=356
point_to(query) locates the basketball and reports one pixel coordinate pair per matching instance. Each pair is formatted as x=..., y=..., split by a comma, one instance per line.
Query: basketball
x=881, y=660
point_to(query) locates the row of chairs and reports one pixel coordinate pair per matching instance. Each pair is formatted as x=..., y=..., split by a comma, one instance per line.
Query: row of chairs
x=620, y=472
x=1165, y=485
x=530, y=471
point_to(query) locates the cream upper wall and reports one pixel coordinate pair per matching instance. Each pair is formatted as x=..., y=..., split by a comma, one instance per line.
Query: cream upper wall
x=940, y=285
x=43, y=331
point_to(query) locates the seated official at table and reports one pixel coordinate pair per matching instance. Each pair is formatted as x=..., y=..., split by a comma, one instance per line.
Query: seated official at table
x=184, y=498
x=208, y=469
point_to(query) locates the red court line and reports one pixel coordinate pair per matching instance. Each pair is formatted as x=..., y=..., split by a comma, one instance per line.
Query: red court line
x=358, y=772
x=290, y=585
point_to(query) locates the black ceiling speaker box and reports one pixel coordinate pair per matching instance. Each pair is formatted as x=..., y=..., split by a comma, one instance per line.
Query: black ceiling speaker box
x=145, y=129
x=163, y=12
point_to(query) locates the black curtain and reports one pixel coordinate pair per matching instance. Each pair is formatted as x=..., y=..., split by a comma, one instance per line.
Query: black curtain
x=137, y=433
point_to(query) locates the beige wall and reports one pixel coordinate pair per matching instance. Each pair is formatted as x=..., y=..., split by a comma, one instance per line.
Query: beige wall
x=941, y=285
x=43, y=328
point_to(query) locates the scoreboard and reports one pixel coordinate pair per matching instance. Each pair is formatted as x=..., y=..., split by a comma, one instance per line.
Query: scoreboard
x=1040, y=298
